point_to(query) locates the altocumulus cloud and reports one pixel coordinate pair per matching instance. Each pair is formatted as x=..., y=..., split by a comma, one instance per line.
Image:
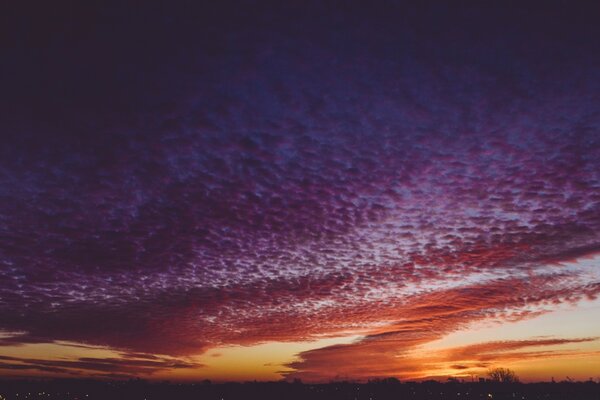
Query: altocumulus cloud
x=170, y=184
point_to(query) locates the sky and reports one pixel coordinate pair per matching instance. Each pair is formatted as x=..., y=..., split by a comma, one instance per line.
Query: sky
x=319, y=190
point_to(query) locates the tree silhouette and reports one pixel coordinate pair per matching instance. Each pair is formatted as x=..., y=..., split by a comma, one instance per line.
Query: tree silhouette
x=504, y=375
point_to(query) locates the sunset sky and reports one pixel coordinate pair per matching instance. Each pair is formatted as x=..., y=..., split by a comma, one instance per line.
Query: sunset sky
x=317, y=190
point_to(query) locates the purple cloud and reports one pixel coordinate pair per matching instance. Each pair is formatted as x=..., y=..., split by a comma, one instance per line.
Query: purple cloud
x=209, y=188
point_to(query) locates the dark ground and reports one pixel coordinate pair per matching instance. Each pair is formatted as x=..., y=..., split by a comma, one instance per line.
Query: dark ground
x=91, y=390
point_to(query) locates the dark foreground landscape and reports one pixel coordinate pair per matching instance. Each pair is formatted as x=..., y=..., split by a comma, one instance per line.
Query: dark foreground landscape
x=138, y=389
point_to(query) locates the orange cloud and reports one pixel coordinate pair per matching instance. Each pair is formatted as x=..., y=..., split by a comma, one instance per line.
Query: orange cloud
x=390, y=350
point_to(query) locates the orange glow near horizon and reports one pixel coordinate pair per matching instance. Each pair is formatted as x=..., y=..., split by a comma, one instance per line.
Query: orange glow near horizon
x=573, y=351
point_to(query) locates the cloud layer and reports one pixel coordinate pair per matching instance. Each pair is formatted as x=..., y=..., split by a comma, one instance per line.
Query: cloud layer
x=127, y=366
x=170, y=184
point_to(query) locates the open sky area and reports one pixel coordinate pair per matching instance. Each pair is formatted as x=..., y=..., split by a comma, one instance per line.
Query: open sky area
x=315, y=190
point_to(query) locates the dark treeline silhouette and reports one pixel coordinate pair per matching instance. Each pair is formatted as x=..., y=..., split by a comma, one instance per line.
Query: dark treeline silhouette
x=373, y=390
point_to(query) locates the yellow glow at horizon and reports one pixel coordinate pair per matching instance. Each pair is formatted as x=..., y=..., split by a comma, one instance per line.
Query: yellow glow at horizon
x=266, y=361
x=258, y=362
x=574, y=322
